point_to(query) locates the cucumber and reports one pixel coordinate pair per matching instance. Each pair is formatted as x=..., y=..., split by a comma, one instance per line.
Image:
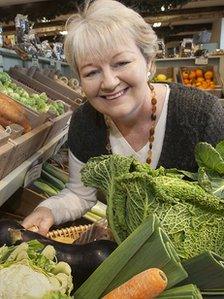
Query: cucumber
x=45, y=188
x=56, y=172
x=58, y=184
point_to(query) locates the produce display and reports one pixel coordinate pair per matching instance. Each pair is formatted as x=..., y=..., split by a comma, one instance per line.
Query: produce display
x=72, y=83
x=167, y=233
x=191, y=212
x=147, y=247
x=29, y=270
x=83, y=259
x=197, y=77
x=53, y=180
x=11, y=112
x=38, y=102
x=149, y=284
x=162, y=78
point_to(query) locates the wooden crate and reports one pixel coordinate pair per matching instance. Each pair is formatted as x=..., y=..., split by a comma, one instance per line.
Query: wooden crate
x=22, y=202
x=20, y=75
x=217, y=91
x=59, y=123
x=6, y=151
x=4, y=137
x=169, y=72
x=68, y=92
x=26, y=145
x=36, y=118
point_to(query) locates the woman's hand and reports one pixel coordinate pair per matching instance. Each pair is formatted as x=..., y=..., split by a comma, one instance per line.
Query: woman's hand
x=42, y=218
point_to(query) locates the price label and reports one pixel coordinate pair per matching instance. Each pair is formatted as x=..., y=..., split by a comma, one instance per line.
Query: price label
x=58, y=65
x=60, y=143
x=33, y=173
x=201, y=60
x=52, y=62
x=1, y=61
x=35, y=62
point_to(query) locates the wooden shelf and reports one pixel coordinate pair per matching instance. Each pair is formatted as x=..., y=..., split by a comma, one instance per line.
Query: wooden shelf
x=15, y=179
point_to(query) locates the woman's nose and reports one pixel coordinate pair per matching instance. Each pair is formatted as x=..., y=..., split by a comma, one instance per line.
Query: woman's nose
x=109, y=80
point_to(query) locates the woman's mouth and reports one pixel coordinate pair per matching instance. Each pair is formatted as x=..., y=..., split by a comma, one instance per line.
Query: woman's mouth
x=116, y=95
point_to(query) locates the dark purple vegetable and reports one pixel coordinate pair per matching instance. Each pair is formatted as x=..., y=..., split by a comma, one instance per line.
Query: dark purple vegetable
x=83, y=259
x=5, y=237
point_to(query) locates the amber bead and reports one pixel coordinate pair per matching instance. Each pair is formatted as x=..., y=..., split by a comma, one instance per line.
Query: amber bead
x=154, y=101
x=149, y=160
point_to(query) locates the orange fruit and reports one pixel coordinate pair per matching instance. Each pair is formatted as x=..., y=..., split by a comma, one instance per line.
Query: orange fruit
x=186, y=81
x=185, y=75
x=208, y=75
x=200, y=79
x=199, y=73
x=192, y=75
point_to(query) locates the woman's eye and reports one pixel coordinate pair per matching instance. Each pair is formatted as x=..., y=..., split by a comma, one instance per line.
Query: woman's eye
x=90, y=74
x=121, y=63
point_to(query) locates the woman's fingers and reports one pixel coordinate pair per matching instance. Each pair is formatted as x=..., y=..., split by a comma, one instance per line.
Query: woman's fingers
x=40, y=220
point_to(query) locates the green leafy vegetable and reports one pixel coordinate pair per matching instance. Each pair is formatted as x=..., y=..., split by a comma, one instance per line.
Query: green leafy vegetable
x=30, y=271
x=192, y=217
x=211, y=181
x=209, y=157
x=35, y=101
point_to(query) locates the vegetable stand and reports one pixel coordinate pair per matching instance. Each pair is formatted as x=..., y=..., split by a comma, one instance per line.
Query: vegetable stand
x=15, y=179
x=9, y=58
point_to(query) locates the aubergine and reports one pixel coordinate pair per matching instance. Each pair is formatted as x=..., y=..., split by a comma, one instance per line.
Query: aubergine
x=83, y=259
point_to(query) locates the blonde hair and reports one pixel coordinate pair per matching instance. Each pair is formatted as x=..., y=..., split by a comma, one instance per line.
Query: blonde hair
x=103, y=25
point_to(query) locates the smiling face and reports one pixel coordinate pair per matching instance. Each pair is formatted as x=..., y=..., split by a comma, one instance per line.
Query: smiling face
x=116, y=84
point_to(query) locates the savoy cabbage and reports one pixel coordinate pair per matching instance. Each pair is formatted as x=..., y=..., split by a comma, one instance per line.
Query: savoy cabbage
x=192, y=217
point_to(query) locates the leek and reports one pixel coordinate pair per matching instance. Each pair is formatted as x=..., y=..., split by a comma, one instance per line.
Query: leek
x=206, y=271
x=187, y=291
x=99, y=209
x=148, y=246
x=91, y=217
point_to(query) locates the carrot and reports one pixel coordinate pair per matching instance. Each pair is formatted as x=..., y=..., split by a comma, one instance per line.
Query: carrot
x=145, y=285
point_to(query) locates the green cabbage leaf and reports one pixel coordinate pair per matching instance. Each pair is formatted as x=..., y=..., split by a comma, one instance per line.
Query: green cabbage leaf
x=192, y=217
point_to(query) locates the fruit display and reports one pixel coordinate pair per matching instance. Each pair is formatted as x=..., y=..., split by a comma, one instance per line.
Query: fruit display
x=162, y=78
x=164, y=75
x=198, y=77
x=71, y=83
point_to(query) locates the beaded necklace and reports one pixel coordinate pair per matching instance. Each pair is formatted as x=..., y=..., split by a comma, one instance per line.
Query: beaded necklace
x=151, y=131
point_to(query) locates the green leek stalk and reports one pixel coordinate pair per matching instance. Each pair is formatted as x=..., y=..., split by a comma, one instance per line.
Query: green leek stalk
x=99, y=209
x=187, y=291
x=91, y=217
x=206, y=271
x=147, y=247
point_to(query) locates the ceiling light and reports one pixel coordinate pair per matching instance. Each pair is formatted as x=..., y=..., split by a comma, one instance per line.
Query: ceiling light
x=158, y=24
x=63, y=32
x=44, y=20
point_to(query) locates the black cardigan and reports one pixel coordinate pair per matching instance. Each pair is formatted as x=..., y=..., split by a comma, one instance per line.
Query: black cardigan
x=192, y=116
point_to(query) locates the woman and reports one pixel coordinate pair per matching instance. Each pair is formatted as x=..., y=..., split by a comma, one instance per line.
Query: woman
x=112, y=49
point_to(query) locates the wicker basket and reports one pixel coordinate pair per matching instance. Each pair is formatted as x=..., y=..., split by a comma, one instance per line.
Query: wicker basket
x=68, y=235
